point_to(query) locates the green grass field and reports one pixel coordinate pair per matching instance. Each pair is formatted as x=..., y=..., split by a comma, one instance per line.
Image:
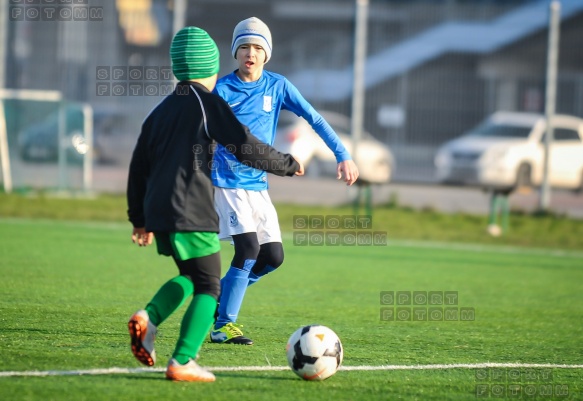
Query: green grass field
x=68, y=289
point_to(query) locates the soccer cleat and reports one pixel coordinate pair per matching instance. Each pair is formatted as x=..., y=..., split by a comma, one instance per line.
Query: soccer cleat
x=143, y=334
x=190, y=372
x=230, y=334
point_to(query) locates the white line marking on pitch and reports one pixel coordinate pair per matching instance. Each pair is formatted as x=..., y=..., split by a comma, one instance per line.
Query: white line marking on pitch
x=113, y=371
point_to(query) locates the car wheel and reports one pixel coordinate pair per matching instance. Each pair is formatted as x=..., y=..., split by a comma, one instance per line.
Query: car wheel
x=579, y=189
x=523, y=176
x=24, y=154
x=314, y=168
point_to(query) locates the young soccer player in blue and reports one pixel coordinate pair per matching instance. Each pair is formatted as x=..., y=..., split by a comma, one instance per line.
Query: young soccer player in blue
x=246, y=213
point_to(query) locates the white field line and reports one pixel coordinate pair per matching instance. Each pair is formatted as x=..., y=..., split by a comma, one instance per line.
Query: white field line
x=113, y=371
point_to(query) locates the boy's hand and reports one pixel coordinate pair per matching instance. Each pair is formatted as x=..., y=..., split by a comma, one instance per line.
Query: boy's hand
x=347, y=169
x=300, y=172
x=141, y=237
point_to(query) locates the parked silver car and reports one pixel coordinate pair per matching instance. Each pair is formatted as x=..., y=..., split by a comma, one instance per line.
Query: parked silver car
x=507, y=151
x=39, y=141
x=375, y=161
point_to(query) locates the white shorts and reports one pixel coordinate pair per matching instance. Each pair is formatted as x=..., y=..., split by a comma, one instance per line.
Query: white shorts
x=242, y=211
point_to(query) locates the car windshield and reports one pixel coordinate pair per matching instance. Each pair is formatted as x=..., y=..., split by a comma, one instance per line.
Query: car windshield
x=501, y=131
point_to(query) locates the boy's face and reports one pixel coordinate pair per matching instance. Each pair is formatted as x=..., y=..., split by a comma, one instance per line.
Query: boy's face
x=251, y=58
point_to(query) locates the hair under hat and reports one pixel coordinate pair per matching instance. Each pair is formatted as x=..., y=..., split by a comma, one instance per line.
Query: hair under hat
x=194, y=54
x=252, y=31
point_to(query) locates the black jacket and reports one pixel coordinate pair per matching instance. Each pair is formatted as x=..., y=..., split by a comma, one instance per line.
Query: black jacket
x=169, y=186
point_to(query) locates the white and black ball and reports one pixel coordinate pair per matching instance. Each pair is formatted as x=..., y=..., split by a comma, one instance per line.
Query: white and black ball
x=314, y=352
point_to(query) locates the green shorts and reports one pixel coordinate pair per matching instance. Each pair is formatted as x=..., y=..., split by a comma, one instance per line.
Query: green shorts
x=187, y=245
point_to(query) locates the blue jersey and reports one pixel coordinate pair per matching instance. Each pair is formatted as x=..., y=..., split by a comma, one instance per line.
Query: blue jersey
x=257, y=105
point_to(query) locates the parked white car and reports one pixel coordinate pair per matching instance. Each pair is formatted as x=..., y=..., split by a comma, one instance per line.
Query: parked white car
x=375, y=161
x=507, y=151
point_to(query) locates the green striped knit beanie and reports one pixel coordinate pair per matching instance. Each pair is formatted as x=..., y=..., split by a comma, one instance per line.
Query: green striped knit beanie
x=194, y=54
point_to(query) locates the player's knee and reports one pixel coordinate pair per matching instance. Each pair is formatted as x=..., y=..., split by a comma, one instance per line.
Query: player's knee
x=274, y=254
x=247, y=253
x=208, y=287
x=206, y=281
x=205, y=274
x=275, y=260
x=246, y=248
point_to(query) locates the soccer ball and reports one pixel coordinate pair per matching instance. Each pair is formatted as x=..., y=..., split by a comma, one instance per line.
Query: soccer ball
x=314, y=352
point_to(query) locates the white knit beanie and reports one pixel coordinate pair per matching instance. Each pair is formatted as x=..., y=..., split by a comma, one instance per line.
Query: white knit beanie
x=252, y=31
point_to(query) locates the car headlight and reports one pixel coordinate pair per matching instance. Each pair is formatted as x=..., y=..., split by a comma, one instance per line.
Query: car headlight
x=442, y=158
x=79, y=144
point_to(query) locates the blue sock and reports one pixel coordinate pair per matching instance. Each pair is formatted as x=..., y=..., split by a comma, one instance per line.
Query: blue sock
x=253, y=278
x=233, y=287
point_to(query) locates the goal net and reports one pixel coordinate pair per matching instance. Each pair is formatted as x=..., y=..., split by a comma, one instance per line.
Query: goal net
x=46, y=142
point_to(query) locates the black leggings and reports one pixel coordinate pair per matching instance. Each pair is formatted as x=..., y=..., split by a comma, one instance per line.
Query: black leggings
x=205, y=274
x=247, y=247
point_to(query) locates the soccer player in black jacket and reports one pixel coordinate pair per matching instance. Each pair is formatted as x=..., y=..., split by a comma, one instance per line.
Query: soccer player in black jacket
x=170, y=198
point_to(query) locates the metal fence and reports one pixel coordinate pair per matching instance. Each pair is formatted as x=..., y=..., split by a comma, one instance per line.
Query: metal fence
x=425, y=84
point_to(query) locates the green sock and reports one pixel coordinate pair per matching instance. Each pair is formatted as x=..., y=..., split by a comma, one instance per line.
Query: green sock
x=196, y=323
x=505, y=213
x=493, y=210
x=169, y=297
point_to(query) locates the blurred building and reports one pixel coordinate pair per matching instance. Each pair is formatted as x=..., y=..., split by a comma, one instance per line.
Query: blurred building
x=434, y=69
